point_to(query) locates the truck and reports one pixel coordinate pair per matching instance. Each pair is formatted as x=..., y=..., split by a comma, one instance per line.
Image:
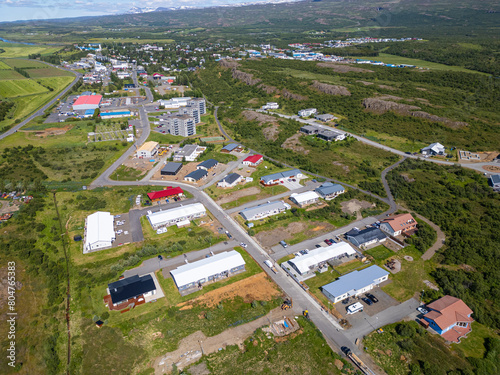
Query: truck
x=270, y=265
x=358, y=362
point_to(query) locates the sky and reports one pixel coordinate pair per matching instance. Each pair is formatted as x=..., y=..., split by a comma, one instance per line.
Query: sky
x=14, y=10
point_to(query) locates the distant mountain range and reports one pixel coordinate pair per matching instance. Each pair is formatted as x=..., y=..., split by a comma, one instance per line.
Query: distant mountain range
x=139, y=10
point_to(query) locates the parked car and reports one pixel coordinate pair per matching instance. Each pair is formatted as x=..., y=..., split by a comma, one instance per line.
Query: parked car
x=284, y=244
x=367, y=301
x=243, y=245
x=346, y=301
x=372, y=297
x=422, y=310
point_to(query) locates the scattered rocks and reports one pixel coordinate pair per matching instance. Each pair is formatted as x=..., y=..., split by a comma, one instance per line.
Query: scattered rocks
x=331, y=89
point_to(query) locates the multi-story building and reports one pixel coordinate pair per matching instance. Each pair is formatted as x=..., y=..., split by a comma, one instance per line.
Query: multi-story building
x=182, y=125
x=192, y=111
x=198, y=103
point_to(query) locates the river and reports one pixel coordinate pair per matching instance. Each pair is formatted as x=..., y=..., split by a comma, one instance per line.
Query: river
x=10, y=41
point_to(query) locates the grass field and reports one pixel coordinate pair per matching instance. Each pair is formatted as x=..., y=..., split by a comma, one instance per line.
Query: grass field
x=399, y=143
x=164, y=138
x=21, y=87
x=57, y=83
x=25, y=64
x=393, y=59
x=21, y=50
x=49, y=72
x=10, y=74
x=309, y=75
x=380, y=253
x=3, y=65
x=123, y=173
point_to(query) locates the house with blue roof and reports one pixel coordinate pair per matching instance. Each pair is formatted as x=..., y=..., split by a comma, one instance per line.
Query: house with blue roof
x=329, y=191
x=365, y=237
x=231, y=147
x=196, y=175
x=355, y=283
x=280, y=177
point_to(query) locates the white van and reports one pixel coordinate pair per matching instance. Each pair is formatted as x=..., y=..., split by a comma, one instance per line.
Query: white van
x=354, y=308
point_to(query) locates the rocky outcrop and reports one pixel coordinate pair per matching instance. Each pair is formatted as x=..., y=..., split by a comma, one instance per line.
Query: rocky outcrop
x=245, y=77
x=229, y=64
x=290, y=95
x=330, y=89
x=268, y=89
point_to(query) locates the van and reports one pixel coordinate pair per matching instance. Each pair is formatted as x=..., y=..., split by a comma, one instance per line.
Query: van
x=284, y=244
x=354, y=308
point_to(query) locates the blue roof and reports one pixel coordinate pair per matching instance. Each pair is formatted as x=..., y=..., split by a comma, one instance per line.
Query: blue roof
x=355, y=280
x=103, y=114
x=230, y=147
x=495, y=178
x=208, y=164
x=279, y=175
x=197, y=174
x=329, y=188
x=89, y=112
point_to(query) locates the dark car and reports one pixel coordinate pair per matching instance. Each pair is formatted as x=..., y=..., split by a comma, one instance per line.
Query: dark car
x=372, y=297
x=345, y=302
x=367, y=301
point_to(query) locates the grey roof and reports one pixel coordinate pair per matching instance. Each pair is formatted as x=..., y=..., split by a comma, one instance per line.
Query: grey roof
x=197, y=174
x=329, y=133
x=277, y=176
x=354, y=281
x=270, y=206
x=230, y=147
x=495, y=178
x=187, y=150
x=359, y=238
x=172, y=167
x=130, y=287
x=208, y=164
x=231, y=178
x=329, y=188
x=326, y=116
x=309, y=129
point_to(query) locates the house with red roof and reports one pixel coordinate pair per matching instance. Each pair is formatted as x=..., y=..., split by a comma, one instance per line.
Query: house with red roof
x=399, y=224
x=450, y=317
x=253, y=160
x=170, y=192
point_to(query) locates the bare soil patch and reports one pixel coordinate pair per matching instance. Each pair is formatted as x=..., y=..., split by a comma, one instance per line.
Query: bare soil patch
x=355, y=205
x=491, y=168
x=7, y=207
x=260, y=117
x=272, y=237
x=245, y=77
x=331, y=89
x=239, y=194
x=343, y=68
x=51, y=131
x=254, y=288
x=268, y=89
x=386, y=87
x=293, y=143
x=229, y=63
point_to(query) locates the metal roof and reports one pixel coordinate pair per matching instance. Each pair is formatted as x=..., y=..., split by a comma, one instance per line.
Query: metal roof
x=209, y=163
x=280, y=175
x=130, y=287
x=305, y=196
x=495, y=178
x=161, y=217
x=230, y=147
x=231, y=178
x=197, y=174
x=304, y=263
x=99, y=228
x=202, y=269
x=172, y=167
x=354, y=281
x=250, y=212
x=359, y=238
x=329, y=188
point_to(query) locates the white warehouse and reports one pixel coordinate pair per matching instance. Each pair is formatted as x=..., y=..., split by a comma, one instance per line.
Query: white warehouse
x=305, y=198
x=264, y=210
x=176, y=215
x=99, y=232
x=190, y=277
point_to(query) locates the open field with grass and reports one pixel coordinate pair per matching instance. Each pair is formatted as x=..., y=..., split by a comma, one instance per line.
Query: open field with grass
x=21, y=50
x=164, y=138
x=399, y=143
x=20, y=87
x=123, y=173
x=214, y=153
x=10, y=74
x=380, y=253
x=49, y=72
x=3, y=65
x=24, y=63
x=303, y=352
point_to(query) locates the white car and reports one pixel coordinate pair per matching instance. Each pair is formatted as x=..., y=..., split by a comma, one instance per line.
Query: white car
x=243, y=245
x=422, y=310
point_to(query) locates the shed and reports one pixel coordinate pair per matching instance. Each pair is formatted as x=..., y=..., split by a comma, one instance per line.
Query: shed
x=171, y=169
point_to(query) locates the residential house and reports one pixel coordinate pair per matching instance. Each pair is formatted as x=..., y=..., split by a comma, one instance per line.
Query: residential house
x=329, y=191
x=309, y=129
x=304, y=199
x=280, y=177
x=366, y=237
x=231, y=147
x=189, y=153
x=264, y=210
x=207, y=164
x=307, y=112
x=354, y=283
x=324, y=118
x=270, y=105
x=196, y=175
x=231, y=180
x=450, y=317
x=399, y=224
x=176, y=215
x=433, y=149
x=495, y=181
x=331, y=135
x=253, y=160
x=129, y=292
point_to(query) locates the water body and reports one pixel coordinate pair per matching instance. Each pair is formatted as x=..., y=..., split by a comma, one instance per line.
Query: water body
x=10, y=41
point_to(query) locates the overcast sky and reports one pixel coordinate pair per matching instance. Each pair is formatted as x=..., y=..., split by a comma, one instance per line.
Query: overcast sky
x=13, y=10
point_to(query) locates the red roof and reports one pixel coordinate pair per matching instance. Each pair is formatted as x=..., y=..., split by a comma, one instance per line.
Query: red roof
x=253, y=158
x=165, y=193
x=88, y=99
x=449, y=310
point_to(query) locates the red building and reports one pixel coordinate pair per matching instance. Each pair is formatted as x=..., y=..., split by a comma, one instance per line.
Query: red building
x=253, y=160
x=170, y=192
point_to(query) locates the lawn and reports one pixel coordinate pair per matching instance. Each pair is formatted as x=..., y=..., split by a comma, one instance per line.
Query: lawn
x=399, y=143
x=20, y=87
x=351, y=266
x=123, y=173
x=303, y=352
x=164, y=138
x=217, y=155
x=321, y=279
x=473, y=344
x=380, y=253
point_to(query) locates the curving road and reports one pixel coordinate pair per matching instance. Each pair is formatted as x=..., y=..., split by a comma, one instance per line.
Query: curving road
x=40, y=111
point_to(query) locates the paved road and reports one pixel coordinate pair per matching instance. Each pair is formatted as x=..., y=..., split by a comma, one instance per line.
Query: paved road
x=42, y=109
x=390, y=197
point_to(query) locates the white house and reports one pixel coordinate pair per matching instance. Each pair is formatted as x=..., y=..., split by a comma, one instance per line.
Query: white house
x=175, y=215
x=434, y=149
x=189, y=153
x=271, y=105
x=264, y=210
x=99, y=232
x=231, y=180
x=305, y=198
x=355, y=283
x=147, y=150
x=280, y=177
x=307, y=112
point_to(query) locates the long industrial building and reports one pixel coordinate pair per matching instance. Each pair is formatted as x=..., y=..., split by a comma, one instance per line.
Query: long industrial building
x=176, y=215
x=190, y=277
x=99, y=232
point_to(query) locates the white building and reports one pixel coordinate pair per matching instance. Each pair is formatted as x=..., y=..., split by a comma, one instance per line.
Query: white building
x=99, y=232
x=305, y=198
x=174, y=102
x=198, y=103
x=147, y=150
x=307, y=112
x=189, y=153
x=192, y=111
x=231, y=180
x=270, y=105
x=314, y=259
x=183, y=125
x=355, y=283
x=194, y=275
x=175, y=215
x=264, y=210
x=433, y=149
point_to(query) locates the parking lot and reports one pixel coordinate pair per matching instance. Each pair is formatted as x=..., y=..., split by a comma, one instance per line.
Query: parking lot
x=384, y=301
x=123, y=233
x=60, y=112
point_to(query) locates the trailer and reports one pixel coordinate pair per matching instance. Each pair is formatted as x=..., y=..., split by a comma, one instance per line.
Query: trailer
x=358, y=362
x=270, y=265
